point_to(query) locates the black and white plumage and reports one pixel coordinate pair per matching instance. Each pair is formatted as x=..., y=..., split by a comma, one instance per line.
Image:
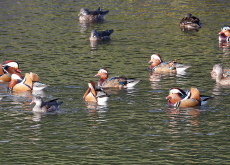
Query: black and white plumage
x=100, y=35
x=44, y=107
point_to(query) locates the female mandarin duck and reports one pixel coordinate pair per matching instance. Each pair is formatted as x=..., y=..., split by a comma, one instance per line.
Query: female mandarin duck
x=219, y=73
x=157, y=65
x=101, y=35
x=93, y=95
x=117, y=81
x=44, y=107
x=226, y=72
x=224, y=35
x=7, y=68
x=91, y=16
x=190, y=22
x=21, y=85
x=179, y=98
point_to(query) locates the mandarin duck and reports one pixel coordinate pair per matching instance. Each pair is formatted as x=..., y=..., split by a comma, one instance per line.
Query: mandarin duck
x=179, y=98
x=100, y=35
x=158, y=66
x=93, y=95
x=219, y=75
x=7, y=68
x=224, y=34
x=21, y=85
x=190, y=22
x=44, y=107
x=92, y=16
x=117, y=81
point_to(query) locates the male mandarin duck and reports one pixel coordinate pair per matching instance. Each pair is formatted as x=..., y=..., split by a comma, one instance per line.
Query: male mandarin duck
x=100, y=35
x=7, y=68
x=224, y=34
x=117, y=81
x=157, y=65
x=226, y=72
x=21, y=85
x=92, y=16
x=190, y=22
x=179, y=98
x=219, y=75
x=44, y=107
x=93, y=95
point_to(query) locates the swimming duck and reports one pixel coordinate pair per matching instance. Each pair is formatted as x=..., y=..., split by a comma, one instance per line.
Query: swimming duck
x=179, y=98
x=91, y=16
x=190, y=22
x=117, y=81
x=44, y=107
x=219, y=72
x=21, y=85
x=224, y=34
x=18, y=78
x=7, y=68
x=100, y=35
x=157, y=65
x=226, y=72
x=93, y=95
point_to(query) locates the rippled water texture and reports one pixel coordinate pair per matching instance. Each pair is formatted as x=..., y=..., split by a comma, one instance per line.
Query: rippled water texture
x=136, y=126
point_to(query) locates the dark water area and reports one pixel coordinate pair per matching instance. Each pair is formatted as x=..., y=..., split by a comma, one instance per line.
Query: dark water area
x=136, y=126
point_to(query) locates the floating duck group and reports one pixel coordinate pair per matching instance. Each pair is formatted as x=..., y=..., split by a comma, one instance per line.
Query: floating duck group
x=10, y=72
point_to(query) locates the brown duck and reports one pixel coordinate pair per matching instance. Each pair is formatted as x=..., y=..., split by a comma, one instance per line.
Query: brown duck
x=90, y=16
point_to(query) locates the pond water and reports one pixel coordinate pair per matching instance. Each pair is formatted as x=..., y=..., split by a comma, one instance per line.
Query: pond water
x=136, y=126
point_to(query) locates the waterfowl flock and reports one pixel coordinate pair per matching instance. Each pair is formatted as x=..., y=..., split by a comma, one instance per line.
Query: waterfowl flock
x=10, y=72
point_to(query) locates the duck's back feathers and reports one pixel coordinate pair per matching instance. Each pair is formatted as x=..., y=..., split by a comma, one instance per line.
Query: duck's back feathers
x=90, y=16
x=100, y=35
x=190, y=21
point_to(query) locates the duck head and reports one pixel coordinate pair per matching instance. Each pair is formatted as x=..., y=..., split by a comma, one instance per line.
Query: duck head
x=188, y=15
x=155, y=60
x=103, y=73
x=217, y=71
x=84, y=11
x=13, y=64
x=37, y=100
x=94, y=34
x=175, y=95
x=225, y=30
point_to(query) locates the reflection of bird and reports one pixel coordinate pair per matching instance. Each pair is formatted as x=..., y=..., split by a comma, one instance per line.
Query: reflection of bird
x=157, y=65
x=118, y=81
x=91, y=16
x=93, y=95
x=224, y=34
x=44, y=107
x=100, y=35
x=179, y=98
x=8, y=68
x=190, y=22
x=219, y=75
